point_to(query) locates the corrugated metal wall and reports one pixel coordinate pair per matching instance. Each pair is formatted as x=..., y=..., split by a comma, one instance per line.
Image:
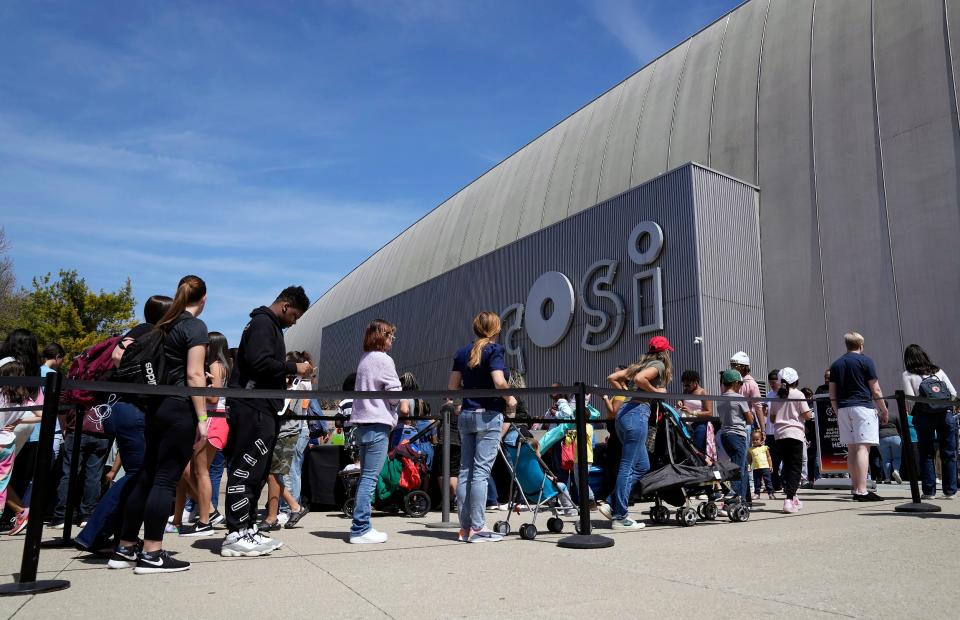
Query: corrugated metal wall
x=844, y=113
x=707, y=220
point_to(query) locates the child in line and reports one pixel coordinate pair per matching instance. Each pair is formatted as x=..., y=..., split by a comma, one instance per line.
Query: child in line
x=789, y=416
x=760, y=460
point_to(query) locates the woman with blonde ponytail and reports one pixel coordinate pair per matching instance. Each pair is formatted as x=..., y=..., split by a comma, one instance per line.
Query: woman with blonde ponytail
x=479, y=365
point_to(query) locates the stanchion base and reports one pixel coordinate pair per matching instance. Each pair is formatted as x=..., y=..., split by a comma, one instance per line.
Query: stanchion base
x=919, y=507
x=585, y=541
x=444, y=525
x=56, y=543
x=33, y=587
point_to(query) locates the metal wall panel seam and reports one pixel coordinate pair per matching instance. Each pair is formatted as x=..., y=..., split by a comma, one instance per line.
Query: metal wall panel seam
x=523, y=201
x=556, y=164
x=816, y=189
x=952, y=81
x=576, y=166
x=676, y=96
x=636, y=139
x=606, y=144
x=699, y=281
x=756, y=112
x=883, y=182
x=713, y=93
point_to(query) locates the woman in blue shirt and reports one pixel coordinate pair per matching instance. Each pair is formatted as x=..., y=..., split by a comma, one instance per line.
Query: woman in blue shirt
x=479, y=365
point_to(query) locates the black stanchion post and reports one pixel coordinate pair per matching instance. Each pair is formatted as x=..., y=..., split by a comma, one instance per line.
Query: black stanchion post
x=445, y=478
x=913, y=471
x=584, y=539
x=74, y=487
x=27, y=582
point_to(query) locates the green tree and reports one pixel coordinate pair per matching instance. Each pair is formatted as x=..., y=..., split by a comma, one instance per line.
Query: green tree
x=10, y=298
x=65, y=310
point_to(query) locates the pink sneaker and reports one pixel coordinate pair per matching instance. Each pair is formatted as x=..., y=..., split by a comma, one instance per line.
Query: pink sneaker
x=797, y=502
x=789, y=506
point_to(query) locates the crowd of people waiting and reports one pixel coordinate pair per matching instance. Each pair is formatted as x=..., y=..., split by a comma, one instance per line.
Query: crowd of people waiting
x=175, y=449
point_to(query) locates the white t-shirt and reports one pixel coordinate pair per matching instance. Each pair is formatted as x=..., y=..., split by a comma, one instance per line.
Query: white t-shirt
x=911, y=383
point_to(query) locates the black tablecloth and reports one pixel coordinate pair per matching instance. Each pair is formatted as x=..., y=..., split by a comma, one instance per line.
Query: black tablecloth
x=319, y=482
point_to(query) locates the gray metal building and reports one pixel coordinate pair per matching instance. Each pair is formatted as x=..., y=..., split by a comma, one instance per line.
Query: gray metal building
x=843, y=113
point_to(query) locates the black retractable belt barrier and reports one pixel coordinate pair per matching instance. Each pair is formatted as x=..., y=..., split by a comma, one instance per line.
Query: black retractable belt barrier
x=913, y=469
x=445, y=522
x=27, y=582
x=584, y=538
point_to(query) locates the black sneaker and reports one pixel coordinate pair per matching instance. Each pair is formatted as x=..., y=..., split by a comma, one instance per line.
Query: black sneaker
x=869, y=496
x=216, y=518
x=159, y=562
x=125, y=557
x=196, y=529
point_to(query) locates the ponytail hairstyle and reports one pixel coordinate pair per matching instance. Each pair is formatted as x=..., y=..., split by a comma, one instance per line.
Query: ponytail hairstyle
x=190, y=291
x=785, y=388
x=217, y=350
x=486, y=326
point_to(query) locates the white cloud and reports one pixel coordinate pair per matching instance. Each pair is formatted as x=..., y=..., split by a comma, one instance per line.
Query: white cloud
x=630, y=24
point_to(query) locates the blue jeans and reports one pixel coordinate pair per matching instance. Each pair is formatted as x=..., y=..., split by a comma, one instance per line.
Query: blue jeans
x=937, y=430
x=736, y=448
x=889, y=455
x=93, y=454
x=479, y=439
x=632, y=425
x=126, y=424
x=699, y=432
x=373, y=440
x=292, y=480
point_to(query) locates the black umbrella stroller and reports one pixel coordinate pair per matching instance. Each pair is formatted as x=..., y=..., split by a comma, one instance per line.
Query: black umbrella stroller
x=686, y=474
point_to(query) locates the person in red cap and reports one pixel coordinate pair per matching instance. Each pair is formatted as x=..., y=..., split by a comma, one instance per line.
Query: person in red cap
x=651, y=373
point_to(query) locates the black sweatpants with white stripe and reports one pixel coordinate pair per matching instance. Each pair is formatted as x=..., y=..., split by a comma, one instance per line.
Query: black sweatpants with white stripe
x=253, y=434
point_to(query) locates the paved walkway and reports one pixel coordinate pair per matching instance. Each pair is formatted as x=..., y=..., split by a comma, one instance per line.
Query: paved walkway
x=836, y=558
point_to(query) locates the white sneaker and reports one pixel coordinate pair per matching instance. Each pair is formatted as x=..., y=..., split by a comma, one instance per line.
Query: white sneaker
x=372, y=537
x=262, y=539
x=483, y=536
x=283, y=517
x=605, y=510
x=503, y=507
x=628, y=524
x=789, y=507
x=242, y=544
x=896, y=477
x=949, y=496
x=927, y=496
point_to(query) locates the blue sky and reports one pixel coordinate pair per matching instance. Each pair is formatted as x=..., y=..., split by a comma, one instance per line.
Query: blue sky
x=261, y=144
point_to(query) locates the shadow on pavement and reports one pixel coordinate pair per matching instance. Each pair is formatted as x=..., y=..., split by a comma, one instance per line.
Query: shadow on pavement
x=211, y=544
x=448, y=535
x=341, y=536
x=912, y=515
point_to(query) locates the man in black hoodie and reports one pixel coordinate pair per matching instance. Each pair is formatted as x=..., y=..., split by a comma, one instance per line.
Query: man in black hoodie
x=260, y=364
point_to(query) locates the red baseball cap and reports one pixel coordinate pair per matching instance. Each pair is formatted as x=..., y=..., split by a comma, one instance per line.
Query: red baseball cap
x=660, y=343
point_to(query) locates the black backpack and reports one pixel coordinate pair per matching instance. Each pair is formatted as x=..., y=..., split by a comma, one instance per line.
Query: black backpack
x=934, y=388
x=144, y=361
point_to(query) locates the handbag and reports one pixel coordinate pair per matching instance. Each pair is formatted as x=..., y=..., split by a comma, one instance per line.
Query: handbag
x=567, y=453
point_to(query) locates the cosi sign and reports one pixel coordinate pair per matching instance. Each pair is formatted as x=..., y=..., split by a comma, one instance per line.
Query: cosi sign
x=548, y=311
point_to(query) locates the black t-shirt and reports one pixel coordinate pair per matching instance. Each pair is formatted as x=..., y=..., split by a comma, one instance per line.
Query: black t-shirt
x=187, y=332
x=139, y=330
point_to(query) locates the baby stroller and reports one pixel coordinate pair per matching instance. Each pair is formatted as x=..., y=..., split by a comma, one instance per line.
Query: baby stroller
x=532, y=485
x=685, y=475
x=402, y=484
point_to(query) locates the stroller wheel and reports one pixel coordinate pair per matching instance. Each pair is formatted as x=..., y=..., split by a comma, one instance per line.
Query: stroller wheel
x=528, y=531
x=416, y=504
x=687, y=516
x=743, y=513
x=710, y=511
x=659, y=514
x=555, y=525
x=733, y=512
x=501, y=527
x=700, y=508
x=348, y=507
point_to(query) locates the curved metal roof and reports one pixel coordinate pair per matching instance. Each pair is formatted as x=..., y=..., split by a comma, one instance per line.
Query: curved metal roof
x=843, y=113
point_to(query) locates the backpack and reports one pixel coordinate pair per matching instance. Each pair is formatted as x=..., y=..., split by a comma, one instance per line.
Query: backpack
x=94, y=364
x=934, y=388
x=144, y=361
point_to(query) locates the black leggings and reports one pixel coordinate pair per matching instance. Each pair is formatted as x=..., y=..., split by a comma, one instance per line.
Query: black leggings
x=170, y=435
x=791, y=452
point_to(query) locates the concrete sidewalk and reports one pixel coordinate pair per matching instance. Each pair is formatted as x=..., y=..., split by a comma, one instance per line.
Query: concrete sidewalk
x=835, y=558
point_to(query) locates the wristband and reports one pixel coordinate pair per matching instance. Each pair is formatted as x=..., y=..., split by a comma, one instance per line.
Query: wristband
x=202, y=418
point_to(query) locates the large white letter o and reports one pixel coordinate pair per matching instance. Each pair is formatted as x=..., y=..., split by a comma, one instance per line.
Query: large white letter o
x=549, y=309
